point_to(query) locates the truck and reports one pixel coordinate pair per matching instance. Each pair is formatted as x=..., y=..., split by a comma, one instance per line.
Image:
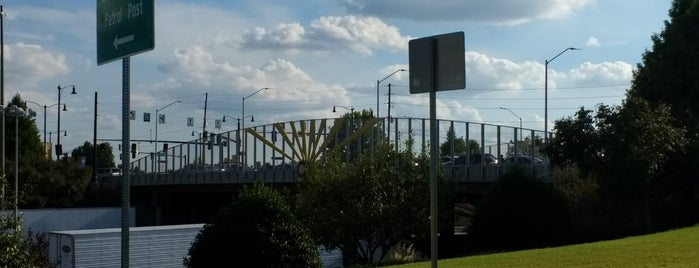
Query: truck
x=149, y=246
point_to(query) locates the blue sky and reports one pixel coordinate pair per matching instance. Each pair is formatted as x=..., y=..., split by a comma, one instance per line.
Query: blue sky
x=315, y=54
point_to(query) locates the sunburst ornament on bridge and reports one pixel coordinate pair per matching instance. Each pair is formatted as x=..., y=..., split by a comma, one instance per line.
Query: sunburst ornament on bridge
x=308, y=140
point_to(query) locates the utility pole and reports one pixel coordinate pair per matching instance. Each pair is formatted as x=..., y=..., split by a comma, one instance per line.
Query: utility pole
x=203, y=129
x=94, y=143
x=389, y=111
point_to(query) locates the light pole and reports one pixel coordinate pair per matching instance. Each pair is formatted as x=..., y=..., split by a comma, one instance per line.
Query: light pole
x=45, y=107
x=65, y=133
x=546, y=92
x=377, y=88
x=245, y=136
x=59, y=148
x=17, y=112
x=351, y=109
x=237, y=147
x=520, y=120
x=157, y=119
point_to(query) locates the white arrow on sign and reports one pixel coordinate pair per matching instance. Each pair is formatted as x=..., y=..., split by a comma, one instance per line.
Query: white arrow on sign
x=120, y=41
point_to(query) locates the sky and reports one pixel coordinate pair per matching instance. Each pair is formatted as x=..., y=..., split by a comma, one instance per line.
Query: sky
x=315, y=54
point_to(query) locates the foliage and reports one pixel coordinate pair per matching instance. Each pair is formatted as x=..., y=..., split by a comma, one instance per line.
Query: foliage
x=370, y=205
x=353, y=122
x=575, y=142
x=459, y=144
x=13, y=249
x=519, y=212
x=105, y=157
x=61, y=183
x=256, y=228
x=528, y=146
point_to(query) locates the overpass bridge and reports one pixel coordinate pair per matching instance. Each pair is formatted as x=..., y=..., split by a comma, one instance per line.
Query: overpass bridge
x=272, y=153
x=188, y=182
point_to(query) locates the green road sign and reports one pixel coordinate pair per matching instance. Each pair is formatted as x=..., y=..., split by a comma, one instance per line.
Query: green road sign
x=124, y=28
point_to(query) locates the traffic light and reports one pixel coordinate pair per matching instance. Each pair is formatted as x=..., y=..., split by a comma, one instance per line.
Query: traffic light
x=59, y=150
x=165, y=147
x=133, y=150
x=218, y=139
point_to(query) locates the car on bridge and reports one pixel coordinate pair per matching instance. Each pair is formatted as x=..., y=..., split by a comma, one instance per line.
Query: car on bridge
x=476, y=159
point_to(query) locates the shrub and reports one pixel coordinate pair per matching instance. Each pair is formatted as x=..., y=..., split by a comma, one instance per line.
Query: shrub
x=257, y=229
x=519, y=212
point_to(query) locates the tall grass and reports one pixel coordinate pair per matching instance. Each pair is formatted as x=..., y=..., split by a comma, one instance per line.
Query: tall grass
x=675, y=248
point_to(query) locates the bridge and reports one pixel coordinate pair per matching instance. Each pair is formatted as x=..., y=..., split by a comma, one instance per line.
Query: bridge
x=271, y=153
x=187, y=183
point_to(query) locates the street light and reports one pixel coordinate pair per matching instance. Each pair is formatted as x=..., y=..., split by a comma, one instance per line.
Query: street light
x=44, y=107
x=237, y=147
x=65, y=134
x=245, y=140
x=59, y=148
x=546, y=91
x=17, y=112
x=351, y=109
x=377, y=88
x=520, y=120
x=157, y=119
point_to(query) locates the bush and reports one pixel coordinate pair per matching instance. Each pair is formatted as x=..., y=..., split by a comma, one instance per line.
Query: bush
x=257, y=229
x=519, y=212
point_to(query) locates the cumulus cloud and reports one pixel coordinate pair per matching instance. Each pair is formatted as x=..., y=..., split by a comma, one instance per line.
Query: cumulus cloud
x=28, y=64
x=360, y=34
x=498, y=12
x=605, y=72
x=592, y=42
x=483, y=71
x=195, y=67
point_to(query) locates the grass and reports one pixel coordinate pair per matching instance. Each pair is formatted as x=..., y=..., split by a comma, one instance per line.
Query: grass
x=675, y=248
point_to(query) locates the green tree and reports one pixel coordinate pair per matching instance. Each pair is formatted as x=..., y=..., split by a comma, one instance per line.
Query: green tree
x=520, y=212
x=459, y=144
x=528, y=146
x=576, y=142
x=370, y=205
x=668, y=75
x=256, y=229
x=105, y=157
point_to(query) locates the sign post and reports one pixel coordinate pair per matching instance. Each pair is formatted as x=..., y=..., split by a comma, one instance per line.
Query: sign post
x=124, y=28
x=437, y=63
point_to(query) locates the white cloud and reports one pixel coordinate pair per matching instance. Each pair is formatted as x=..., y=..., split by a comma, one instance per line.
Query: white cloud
x=483, y=71
x=605, y=72
x=592, y=42
x=27, y=65
x=498, y=12
x=359, y=34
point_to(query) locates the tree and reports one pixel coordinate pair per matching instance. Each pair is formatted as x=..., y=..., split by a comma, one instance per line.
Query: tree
x=668, y=75
x=459, y=144
x=256, y=229
x=368, y=206
x=105, y=157
x=520, y=212
x=528, y=146
x=576, y=142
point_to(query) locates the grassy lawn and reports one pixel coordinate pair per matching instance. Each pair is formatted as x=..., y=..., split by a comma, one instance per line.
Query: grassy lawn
x=676, y=248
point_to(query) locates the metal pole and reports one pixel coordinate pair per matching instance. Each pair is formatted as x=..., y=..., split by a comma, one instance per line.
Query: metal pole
x=94, y=143
x=2, y=90
x=16, y=167
x=434, y=149
x=203, y=130
x=546, y=101
x=243, y=140
x=45, y=129
x=377, y=97
x=58, y=131
x=125, y=154
x=389, y=112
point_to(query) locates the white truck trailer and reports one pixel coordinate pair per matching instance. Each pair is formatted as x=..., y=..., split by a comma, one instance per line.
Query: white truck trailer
x=153, y=246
